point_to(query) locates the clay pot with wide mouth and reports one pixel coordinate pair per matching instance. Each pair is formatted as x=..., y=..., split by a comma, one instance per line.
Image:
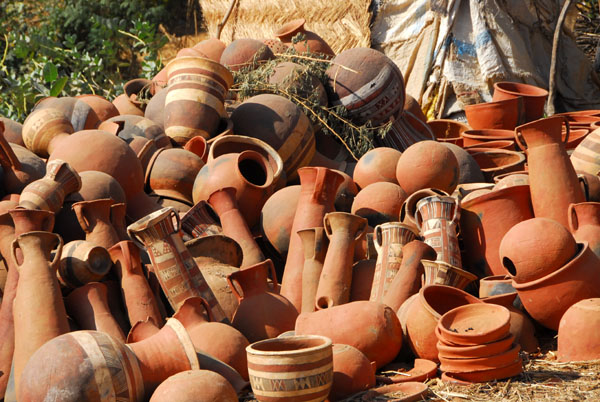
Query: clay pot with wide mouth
x=501, y=114
x=474, y=324
x=482, y=136
x=534, y=98
x=312, y=42
x=495, y=162
x=496, y=144
x=442, y=273
x=447, y=130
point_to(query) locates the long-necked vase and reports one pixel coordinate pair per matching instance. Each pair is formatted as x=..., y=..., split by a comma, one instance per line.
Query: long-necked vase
x=315, y=242
x=552, y=179
x=389, y=240
x=318, y=188
x=173, y=265
x=584, y=223
x=94, y=219
x=343, y=230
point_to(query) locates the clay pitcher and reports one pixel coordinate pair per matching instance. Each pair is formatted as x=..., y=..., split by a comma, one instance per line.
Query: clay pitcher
x=318, y=188
x=584, y=223
x=94, y=219
x=343, y=230
x=552, y=179
x=38, y=308
x=138, y=298
x=315, y=244
x=82, y=262
x=172, y=263
x=261, y=314
x=389, y=240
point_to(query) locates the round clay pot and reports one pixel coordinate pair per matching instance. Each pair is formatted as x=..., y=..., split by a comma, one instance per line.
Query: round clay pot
x=352, y=372
x=212, y=47
x=451, y=351
x=172, y=172
x=447, y=130
x=12, y=131
x=536, y=247
x=195, y=386
x=312, y=42
x=277, y=217
x=584, y=223
x=155, y=107
x=502, y=114
x=475, y=324
x=534, y=98
x=499, y=373
x=379, y=203
x=577, y=337
x=495, y=162
x=245, y=53
x=427, y=164
x=468, y=365
x=379, y=164
x=291, y=77
x=78, y=112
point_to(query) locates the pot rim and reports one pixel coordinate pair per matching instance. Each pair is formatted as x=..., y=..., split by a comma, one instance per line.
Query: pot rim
x=502, y=327
x=541, y=92
x=326, y=343
x=446, y=288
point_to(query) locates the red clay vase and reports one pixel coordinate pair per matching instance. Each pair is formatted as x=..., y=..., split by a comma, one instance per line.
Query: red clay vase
x=94, y=219
x=379, y=164
x=195, y=385
x=312, y=42
x=534, y=98
x=343, y=230
x=318, y=187
x=577, y=332
x=277, y=218
x=552, y=178
x=379, y=203
x=584, y=223
x=82, y=262
x=315, y=243
x=352, y=372
x=502, y=114
x=261, y=314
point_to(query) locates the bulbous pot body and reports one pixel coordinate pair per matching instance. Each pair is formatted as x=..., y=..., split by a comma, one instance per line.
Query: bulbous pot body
x=577, y=336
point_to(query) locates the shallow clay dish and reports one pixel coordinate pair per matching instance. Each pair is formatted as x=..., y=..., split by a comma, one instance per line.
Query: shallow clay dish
x=474, y=352
x=483, y=363
x=511, y=370
x=475, y=324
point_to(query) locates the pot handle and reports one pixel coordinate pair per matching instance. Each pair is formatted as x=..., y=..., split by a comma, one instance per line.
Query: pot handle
x=568, y=130
x=58, y=252
x=586, y=186
x=13, y=255
x=232, y=281
x=81, y=218
x=378, y=239
x=208, y=310
x=520, y=140
x=572, y=218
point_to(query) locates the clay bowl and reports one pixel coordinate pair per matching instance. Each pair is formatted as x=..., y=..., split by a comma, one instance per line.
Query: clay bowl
x=472, y=137
x=463, y=365
x=412, y=391
x=497, y=144
x=494, y=162
x=475, y=324
x=575, y=137
x=475, y=352
x=447, y=130
x=534, y=98
x=499, y=373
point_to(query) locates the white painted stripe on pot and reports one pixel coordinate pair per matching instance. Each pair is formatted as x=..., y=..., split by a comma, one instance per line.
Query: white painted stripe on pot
x=290, y=374
x=102, y=374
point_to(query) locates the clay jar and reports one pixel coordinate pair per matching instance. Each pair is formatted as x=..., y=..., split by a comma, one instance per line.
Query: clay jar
x=82, y=262
x=379, y=164
x=193, y=386
x=534, y=98
x=352, y=372
x=503, y=114
x=371, y=327
x=577, y=332
x=312, y=42
x=552, y=178
x=427, y=164
x=248, y=172
x=291, y=77
x=94, y=218
x=494, y=162
x=474, y=324
x=101, y=106
x=535, y=248
x=379, y=203
x=245, y=53
x=20, y=166
x=277, y=217
x=343, y=230
x=44, y=129
x=211, y=47
x=280, y=123
x=261, y=314
x=584, y=223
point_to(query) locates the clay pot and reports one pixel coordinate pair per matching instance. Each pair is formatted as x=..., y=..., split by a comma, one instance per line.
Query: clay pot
x=450, y=351
x=131, y=101
x=469, y=170
x=44, y=129
x=576, y=137
x=81, y=115
x=546, y=299
x=584, y=158
x=155, y=107
x=474, y=324
x=499, y=373
x=312, y=42
x=362, y=280
x=315, y=243
x=261, y=313
x=584, y=223
x=442, y=273
x=482, y=136
x=553, y=181
x=371, y=327
x=318, y=187
x=577, y=340
x=502, y=114
x=494, y=162
x=511, y=179
x=447, y=130
x=409, y=207
x=38, y=309
x=195, y=386
x=591, y=186
x=276, y=46
x=496, y=144
x=82, y=262
x=11, y=131
x=211, y=47
x=224, y=203
x=427, y=164
x=485, y=220
x=245, y=53
x=280, y=123
x=535, y=248
x=195, y=101
x=70, y=364
x=172, y=172
x=346, y=193
x=534, y=98
x=199, y=147
x=457, y=366
x=424, y=313
x=375, y=93
x=94, y=218
x=137, y=296
x=379, y=164
x=352, y=372
x=379, y=203
x=405, y=130
x=248, y=172
x=200, y=221
x=301, y=365
x=291, y=77
x=177, y=273
x=389, y=240
x=343, y=230
x=101, y=106
x=132, y=126
x=495, y=285
x=20, y=166
x=277, y=217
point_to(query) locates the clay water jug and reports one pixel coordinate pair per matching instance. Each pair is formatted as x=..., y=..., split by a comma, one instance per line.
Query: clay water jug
x=318, y=187
x=82, y=262
x=177, y=273
x=261, y=314
x=584, y=223
x=389, y=240
x=552, y=178
x=315, y=242
x=343, y=230
x=94, y=219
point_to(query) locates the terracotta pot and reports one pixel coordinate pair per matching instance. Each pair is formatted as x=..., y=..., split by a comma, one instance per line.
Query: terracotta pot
x=126, y=107
x=499, y=144
x=389, y=240
x=577, y=340
x=535, y=248
x=248, y=172
x=225, y=205
x=494, y=162
x=7, y=332
x=584, y=158
x=346, y=193
x=379, y=164
x=376, y=93
x=362, y=280
x=511, y=179
x=343, y=230
x=218, y=256
x=38, y=307
x=198, y=146
x=423, y=370
x=501, y=114
x=261, y=313
x=406, y=130
x=82, y=262
x=534, y=98
x=175, y=268
x=200, y=221
x=427, y=164
x=211, y=47
x=352, y=372
x=482, y=136
x=474, y=324
x=29, y=220
x=94, y=218
x=553, y=181
x=371, y=327
x=485, y=220
x=172, y=172
x=576, y=137
x=469, y=170
x=81, y=115
x=245, y=53
x=315, y=243
x=424, y=313
x=291, y=369
x=379, y=203
x=11, y=131
x=447, y=129
x=590, y=185
x=131, y=101
x=450, y=351
x=155, y=107
x=575, y=281
x=410, y=391
x=409, y=207
x=311, y=42
x=44, y=129
x=318, y=187
x=442, y=273
x=276, y=46
x=584, y=223
x=135, y=290
x=277, y=218
x=188, y=385
x=101, y=106
x=495, y=285
x=131, y=126
x=291, y=77
x=20, y=166
x=70, y=364
x=499, y=373
x=504, y=359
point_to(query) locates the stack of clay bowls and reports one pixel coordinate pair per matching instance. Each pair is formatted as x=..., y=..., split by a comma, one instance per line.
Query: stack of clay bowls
x=475, y=344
